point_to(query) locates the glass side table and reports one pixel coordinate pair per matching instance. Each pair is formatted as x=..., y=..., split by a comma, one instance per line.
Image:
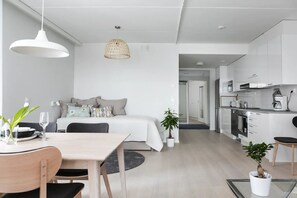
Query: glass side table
x=279, y=188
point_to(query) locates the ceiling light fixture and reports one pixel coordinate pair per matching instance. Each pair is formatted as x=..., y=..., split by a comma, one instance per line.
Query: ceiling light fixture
x=221, y=27
x=200, y=63
x=117, y=48
x=40, y=46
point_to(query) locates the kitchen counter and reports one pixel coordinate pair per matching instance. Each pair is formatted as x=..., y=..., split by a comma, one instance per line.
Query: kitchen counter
x=269, y=111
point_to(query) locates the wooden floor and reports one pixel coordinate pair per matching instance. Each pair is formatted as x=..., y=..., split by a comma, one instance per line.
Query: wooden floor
x=196, y=167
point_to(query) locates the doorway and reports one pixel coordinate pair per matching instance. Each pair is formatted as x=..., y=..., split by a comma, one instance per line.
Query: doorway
x=193, y=105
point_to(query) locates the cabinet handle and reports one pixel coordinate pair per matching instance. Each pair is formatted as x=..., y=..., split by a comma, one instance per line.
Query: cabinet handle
x=269, y=84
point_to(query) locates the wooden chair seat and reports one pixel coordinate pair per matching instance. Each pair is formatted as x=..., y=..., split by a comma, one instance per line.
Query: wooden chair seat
x=67, y=190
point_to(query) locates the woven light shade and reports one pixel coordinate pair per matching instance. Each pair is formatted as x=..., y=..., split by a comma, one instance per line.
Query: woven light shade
x=117, y=49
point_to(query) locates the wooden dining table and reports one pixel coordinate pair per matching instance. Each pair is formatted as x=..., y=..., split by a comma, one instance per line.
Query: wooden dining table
x=81, y=150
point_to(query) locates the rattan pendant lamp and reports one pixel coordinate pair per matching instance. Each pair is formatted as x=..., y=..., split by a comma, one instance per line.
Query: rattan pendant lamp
x=117, y=48
x=40, y=46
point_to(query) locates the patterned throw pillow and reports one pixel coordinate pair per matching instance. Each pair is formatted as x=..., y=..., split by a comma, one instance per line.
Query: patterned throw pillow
x=102, y=112
x=83, y=111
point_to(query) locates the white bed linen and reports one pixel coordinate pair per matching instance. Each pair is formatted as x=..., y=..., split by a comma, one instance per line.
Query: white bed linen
x=141, y=128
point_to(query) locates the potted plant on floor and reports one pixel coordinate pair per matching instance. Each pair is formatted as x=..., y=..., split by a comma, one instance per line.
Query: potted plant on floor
x=170, y=122
x=260, y=179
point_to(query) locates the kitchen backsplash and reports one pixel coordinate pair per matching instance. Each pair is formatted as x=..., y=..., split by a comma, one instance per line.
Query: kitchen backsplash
x=262, y=98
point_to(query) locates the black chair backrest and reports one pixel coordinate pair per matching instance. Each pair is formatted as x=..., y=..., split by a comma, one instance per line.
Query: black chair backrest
x=294, y=121
x=51, y=127
x=88, y=127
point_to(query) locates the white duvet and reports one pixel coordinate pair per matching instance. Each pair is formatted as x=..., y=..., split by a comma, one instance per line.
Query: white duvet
x=140, y=128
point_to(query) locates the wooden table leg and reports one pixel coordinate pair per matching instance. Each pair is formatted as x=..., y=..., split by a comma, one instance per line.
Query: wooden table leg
x=120, y=152
x=94, y=179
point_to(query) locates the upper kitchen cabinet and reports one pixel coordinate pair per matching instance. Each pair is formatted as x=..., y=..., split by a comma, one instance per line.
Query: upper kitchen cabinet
x=281, y=53
x=271, y=58
x=257, y=61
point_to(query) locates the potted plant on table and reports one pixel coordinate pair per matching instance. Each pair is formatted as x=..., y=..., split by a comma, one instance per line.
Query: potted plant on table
x=260, y=180
x=18, y=117
x=170, y=122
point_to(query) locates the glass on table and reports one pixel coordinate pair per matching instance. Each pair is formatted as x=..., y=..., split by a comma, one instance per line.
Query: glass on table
x=43, y=122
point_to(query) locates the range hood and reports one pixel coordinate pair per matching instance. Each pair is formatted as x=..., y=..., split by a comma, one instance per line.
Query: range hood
x=253, y=86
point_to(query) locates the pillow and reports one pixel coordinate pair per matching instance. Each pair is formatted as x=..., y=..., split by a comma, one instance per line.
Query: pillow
x=102, y=112
x=83, y=111
x=64, y=107
x=118, y=106
x=91, y=101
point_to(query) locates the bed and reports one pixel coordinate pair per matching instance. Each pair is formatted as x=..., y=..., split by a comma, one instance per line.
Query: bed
x=141, y=128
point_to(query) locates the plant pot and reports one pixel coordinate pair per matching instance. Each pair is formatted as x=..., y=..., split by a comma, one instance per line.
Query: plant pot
x=260, y=186
x=170, y=142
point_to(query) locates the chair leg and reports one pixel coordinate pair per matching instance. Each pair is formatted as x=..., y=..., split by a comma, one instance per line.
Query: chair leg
x=292, y=159
x=105, y=178
x=274, y=153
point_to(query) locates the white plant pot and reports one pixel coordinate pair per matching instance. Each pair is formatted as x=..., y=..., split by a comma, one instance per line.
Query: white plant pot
x=260, y=186
x=170, y=142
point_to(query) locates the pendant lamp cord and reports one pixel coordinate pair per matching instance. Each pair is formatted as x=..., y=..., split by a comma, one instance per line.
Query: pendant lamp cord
x=42, y=14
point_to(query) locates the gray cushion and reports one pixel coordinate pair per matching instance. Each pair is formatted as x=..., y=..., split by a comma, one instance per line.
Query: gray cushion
x=90, y=101
x=118, y=106
x=102, y=112
x=64, y=107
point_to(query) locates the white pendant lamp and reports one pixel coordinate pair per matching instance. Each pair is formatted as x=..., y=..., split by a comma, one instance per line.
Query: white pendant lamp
x=117, y=49
x=40, y=46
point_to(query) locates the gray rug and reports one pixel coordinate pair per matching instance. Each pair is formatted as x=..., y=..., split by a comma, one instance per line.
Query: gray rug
x=132, y=160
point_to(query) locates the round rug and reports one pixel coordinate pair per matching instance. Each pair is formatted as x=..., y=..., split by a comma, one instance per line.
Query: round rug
x=132, y=160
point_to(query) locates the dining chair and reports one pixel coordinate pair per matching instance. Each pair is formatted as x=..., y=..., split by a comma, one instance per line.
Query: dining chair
x=82, y=174
x=26, y=175
x=286, y=141
x=51, y=127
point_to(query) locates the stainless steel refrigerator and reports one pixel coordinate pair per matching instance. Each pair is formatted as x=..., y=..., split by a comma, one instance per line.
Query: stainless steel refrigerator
x=217, y=105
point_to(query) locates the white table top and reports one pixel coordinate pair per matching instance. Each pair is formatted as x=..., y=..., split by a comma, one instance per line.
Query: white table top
x=73, y=146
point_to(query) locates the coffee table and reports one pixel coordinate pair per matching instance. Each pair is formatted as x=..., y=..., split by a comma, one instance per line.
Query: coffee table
x=279, y=188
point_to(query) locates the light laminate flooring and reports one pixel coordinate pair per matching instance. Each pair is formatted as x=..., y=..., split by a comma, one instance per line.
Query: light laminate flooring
x=197, y=167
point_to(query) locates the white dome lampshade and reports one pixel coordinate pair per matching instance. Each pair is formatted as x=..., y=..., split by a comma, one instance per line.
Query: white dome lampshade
x=117, y=49
x=40, y=47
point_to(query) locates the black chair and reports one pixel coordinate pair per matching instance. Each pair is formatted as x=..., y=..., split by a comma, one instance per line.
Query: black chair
x=25, y=175
x=286, y=141
x=82, y=174
x=88, y=127
x=51, y=127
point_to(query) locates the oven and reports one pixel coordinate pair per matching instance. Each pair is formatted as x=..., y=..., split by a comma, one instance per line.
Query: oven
x=239, y=123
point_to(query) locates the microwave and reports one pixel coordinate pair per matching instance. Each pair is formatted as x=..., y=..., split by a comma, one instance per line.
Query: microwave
x=230, y=86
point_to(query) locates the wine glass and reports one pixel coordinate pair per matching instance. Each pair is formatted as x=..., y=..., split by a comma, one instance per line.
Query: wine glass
x=43, y=122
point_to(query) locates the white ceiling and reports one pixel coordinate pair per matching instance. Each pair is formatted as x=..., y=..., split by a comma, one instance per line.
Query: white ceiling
x=209, y=60
x=169, y=21
x=158, y=21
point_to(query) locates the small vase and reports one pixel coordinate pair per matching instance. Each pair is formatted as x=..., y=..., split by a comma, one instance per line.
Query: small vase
x=9, y=139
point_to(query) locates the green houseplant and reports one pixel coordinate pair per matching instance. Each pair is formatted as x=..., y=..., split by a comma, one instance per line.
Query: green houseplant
x=260, y=180
x=18, y=117
x=170, y=122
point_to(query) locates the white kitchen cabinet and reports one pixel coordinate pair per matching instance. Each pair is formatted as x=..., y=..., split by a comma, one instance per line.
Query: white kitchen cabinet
x=271, y=58
x=257, y=129
x=225, y=124
x=282, y=60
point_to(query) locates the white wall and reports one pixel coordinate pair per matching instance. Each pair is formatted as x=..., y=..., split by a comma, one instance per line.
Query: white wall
x=40, y=79
x=262, y=98
x=149, y=79
x=183, y=100
x=1, y=57
x=193, y=99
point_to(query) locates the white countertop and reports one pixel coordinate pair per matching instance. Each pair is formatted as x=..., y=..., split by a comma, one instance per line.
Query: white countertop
x=269, y=111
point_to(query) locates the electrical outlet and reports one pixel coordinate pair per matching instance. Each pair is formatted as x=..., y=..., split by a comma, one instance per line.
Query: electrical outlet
x=53, y=103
